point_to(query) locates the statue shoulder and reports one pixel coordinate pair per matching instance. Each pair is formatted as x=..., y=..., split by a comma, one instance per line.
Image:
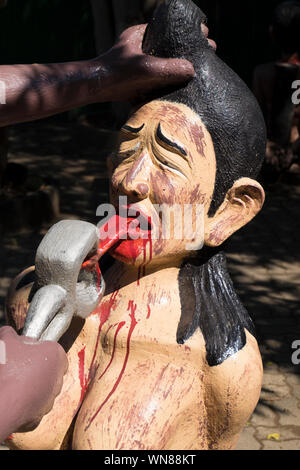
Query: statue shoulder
x=17, y=299
x=233, y=389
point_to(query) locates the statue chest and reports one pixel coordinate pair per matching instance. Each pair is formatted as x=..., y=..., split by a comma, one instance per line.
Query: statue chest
x=149, y=392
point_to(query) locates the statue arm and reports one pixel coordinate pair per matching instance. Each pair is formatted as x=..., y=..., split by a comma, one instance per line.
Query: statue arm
x=124, y=73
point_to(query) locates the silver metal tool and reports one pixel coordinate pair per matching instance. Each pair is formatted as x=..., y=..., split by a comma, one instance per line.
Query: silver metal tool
x=62, y=288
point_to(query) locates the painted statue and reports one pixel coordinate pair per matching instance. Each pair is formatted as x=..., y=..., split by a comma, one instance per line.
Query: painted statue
x=168, y=357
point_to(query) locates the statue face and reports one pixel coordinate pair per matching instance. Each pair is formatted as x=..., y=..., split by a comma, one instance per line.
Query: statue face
x=165, y=158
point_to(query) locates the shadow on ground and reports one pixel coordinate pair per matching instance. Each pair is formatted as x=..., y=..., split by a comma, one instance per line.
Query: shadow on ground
x=71, y=157
x=264, y=260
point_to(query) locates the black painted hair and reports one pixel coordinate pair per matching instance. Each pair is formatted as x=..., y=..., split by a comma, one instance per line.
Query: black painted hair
x=220, y=98
x=232, y=116
x=286, y=26
x=209, y=301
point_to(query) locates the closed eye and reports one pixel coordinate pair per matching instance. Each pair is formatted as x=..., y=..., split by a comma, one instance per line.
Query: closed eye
x=170, y=145
x=171, y=168
x=167, y=163
x=133, y=130
x=129, y=152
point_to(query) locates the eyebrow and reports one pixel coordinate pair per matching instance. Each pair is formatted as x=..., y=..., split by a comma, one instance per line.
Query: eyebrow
x=164, y=139
x=133, y=130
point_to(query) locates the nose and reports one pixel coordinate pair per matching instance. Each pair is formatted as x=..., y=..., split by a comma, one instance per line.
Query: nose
x=136, y=180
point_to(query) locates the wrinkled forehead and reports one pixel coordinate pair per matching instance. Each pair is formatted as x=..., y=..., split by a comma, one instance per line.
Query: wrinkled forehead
x=177, y=115
x=177, y=121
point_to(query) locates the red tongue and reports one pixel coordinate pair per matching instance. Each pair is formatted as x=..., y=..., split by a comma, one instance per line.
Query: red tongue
x=123, y=227
x=108, y=239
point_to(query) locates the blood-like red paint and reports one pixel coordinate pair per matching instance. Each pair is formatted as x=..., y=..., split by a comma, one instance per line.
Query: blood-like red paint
x=114, y=349
x=149, y=312
x=130, y=250
x=103, y=311
x=142, y=268
x=108, y=240
x=82, y=378
x=132, y=308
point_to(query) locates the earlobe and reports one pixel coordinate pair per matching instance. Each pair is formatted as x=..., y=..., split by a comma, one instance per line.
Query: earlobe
x=242, y=203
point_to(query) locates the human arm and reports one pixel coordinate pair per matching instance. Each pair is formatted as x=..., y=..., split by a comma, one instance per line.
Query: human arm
x=31, y=376
x=122, y=74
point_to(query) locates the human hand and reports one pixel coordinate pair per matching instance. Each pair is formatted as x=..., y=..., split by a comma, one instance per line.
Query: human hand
x=31, y=377
x=131, y=73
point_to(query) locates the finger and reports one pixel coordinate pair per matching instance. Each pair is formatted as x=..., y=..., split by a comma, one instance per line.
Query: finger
x=134, y=36
x=170, y=71
x=7, y=332
x=205, y=30
x=57, y=353
x=213, y=44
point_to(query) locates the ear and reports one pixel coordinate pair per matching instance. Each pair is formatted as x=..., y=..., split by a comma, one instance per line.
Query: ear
x=242, y=202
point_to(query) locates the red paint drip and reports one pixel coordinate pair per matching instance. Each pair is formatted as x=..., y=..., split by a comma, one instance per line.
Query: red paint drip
x=103, y=311
x=98, y=277
x=142, y=268
x=131, y=249
x=82, y=378
x=132, y=309
x=149, y=312
x=114, y=349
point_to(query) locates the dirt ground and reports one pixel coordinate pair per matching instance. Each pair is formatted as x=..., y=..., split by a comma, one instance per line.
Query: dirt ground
x=263, y=260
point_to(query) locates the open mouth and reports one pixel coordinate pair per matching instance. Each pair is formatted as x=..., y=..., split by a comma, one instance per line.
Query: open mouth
x=117, y=229
x=137, y=220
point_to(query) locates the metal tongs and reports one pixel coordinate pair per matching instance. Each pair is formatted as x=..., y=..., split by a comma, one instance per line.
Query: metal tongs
x=63, y=288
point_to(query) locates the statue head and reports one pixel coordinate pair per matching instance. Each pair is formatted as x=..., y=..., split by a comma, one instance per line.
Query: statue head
x=201, y=145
